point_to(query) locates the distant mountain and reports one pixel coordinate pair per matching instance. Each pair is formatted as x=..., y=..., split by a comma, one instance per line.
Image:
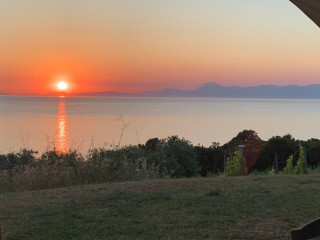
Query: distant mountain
x=109, y=94
x=214, y=90
x=2, y=93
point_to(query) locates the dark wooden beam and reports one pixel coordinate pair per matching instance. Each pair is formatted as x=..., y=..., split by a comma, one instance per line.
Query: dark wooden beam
x=311, y=8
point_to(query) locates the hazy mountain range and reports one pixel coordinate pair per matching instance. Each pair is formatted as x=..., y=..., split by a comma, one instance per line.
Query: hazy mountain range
x=214, y=90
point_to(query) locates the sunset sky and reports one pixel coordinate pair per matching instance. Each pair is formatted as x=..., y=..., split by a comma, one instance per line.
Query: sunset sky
x=137, y=45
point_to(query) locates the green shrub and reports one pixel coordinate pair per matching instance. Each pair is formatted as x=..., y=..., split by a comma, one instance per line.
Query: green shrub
x=210, y=159
x=272, y=172
x=300, y=169
x=180, y=158
x=237, y=165
x=173, y=156
x=11, y=160
x=289, y=169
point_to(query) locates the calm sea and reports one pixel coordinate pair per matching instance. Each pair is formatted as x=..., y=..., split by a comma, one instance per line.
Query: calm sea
x=84, y=122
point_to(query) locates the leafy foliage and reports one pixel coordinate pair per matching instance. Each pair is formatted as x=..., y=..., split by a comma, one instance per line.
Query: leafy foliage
x=237, y=165
x=283, y=146
x=252, y=146
x=272, y=172
x=300, y=163
x=158, y=158
x=313, y=152
x=180, y=157
x=11, y=160
x=289, y=169
x=170, y=157
x=210, y=159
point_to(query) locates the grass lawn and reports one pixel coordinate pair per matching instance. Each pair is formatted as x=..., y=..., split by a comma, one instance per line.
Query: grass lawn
x=255, y=207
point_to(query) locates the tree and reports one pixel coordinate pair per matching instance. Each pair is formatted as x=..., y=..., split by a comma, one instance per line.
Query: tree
x=237, y=165
x=153, y=144
x=252, y=146
x=180, y=157
x=210, y=159
x=313, y=151
x=173, y=156
x=283, y=146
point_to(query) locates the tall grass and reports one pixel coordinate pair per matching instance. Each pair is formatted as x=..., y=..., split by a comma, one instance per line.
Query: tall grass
x=52, y=170
x=27, y=170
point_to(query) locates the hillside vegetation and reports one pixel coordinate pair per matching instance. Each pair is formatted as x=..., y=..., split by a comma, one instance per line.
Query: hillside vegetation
x=172, y=157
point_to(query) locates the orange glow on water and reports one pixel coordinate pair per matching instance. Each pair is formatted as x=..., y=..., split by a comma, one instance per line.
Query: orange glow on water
x=62, y=133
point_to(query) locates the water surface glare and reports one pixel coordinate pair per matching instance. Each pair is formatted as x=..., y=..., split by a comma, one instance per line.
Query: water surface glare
x=84, y=122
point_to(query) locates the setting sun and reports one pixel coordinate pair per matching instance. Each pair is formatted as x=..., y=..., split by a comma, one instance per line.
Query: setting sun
x=62, y=85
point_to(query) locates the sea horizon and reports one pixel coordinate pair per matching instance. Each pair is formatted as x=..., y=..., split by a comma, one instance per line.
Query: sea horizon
x=205, y=90
x=85, y=122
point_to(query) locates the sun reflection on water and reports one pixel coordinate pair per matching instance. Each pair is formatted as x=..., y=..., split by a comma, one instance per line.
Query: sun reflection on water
x=62, y=133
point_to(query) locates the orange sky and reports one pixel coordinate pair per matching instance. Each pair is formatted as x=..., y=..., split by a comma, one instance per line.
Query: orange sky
x=132, y=46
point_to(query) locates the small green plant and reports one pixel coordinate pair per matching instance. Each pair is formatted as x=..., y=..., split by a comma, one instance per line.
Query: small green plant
x=272, y=172
x=300, y=163
x=237, y=165
x=289, y=169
